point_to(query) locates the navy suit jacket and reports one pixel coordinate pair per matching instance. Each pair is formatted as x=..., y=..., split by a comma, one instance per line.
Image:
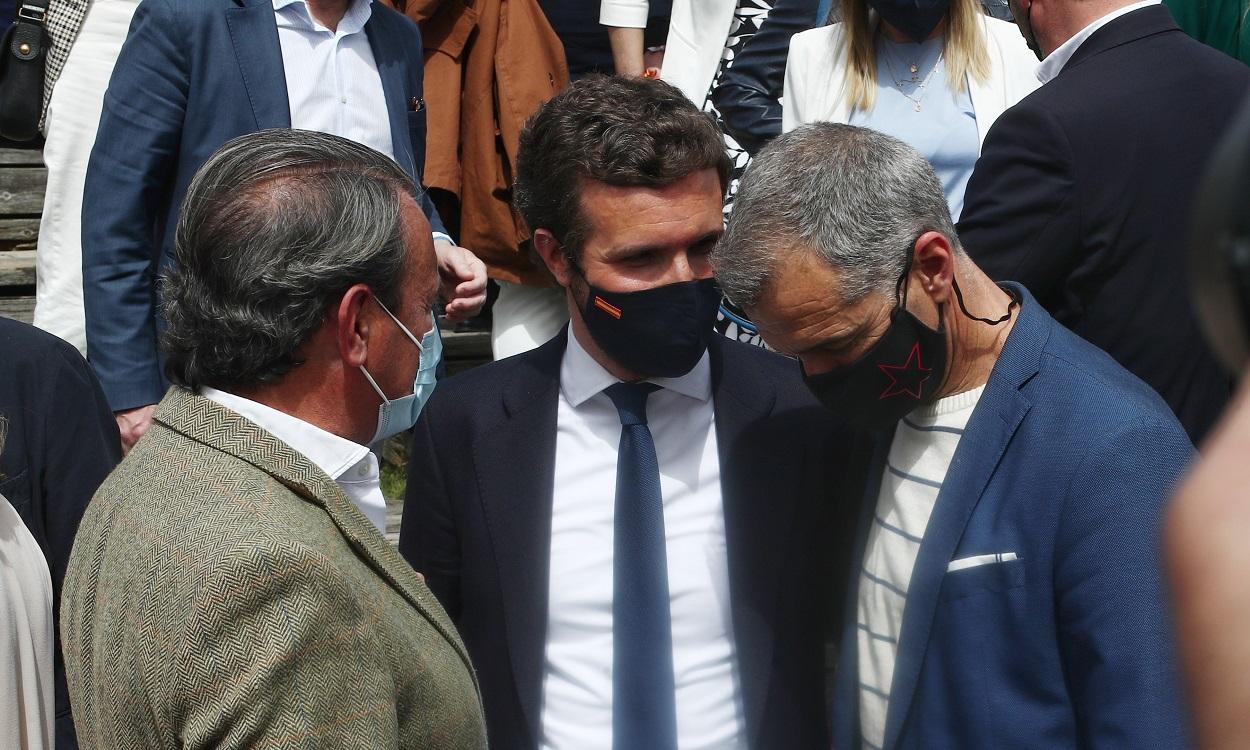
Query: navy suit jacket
x=1084, y=191
x=62, y=443
x=192, y=75
x=477, y=524
x=1067, y=461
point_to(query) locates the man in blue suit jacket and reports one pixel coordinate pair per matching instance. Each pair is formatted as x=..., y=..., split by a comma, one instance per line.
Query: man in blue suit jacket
x=192, y=75
x=1009, y=589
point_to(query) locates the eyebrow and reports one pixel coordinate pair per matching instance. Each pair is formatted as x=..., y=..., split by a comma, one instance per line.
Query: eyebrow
x=626, y=251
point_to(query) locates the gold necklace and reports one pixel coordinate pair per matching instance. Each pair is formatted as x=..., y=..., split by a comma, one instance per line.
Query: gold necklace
x=922, y=87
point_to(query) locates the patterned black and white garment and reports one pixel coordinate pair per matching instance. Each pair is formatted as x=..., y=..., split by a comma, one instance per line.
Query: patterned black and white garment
x=748, y=17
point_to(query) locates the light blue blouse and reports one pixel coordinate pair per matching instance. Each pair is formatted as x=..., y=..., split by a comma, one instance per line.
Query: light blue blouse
x=944, y=129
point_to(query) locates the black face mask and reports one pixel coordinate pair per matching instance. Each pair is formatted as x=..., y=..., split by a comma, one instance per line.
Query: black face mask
x=654, y=333
x=900, y=372
x=915, y=18
x=903, y=370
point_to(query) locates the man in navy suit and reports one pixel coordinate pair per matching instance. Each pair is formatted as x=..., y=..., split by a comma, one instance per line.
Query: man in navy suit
x=606, y=602
x=1084, y=188
x=1007, y=590
x=192, y=75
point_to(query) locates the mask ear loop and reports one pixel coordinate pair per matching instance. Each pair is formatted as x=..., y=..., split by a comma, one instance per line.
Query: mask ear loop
x=1015, y=302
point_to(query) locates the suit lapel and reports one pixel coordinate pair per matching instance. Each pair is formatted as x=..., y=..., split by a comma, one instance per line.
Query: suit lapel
x=254, y=35
x=997, y=416
x=389, y=56
x=846, y=681
x=756, y=525
x=516, y=497
x=210, y=423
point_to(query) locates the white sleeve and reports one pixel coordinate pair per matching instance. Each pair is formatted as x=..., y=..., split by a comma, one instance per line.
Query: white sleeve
x=630, y=14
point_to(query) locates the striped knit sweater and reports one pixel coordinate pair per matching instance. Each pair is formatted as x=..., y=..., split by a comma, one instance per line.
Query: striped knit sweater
x=923, y=447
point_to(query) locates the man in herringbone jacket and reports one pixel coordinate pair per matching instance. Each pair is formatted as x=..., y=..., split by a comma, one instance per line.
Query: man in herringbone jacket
x=229, y=586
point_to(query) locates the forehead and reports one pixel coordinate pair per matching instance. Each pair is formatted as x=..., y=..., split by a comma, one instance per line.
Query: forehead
x=675, y=214
x=802, y=305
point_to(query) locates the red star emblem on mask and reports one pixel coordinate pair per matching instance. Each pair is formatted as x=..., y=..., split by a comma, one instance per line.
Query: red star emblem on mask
x=908, y=378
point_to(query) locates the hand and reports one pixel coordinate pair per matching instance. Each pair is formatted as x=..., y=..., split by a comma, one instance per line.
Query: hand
x=133, y=423
x=463, y=279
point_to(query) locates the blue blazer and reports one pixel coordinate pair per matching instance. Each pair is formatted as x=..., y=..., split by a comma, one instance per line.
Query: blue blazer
x=1067, y=461
x=192, y=75
x=477, y=524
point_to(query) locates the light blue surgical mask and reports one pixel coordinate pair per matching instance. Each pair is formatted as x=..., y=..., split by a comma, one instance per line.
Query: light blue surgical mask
x=397, y=415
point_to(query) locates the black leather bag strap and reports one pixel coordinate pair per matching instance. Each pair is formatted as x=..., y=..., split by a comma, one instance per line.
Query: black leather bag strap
x=23, y=63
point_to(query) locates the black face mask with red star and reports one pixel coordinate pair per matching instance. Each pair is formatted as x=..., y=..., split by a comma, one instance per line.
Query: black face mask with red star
x=900, y=372
x=903, y=370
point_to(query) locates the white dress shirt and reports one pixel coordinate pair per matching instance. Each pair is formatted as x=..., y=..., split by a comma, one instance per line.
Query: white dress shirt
x=332, y=80
x=577, y=680
x=1055, y=61
x=352, y=466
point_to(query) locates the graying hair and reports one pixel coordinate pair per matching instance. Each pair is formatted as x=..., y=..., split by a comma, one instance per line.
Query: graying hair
x=275, y=227
x=858, y=198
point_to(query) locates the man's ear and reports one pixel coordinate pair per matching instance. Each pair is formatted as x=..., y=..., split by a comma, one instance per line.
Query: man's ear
x=552, y=253
x=933, y=265
x=352, y=320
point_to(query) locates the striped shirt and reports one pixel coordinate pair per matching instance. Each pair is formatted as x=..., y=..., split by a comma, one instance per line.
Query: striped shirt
x=920, y=455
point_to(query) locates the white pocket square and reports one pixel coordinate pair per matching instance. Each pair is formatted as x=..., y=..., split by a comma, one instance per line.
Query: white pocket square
x=964, y=563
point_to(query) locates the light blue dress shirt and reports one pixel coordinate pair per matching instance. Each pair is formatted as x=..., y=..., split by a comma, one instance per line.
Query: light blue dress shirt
x=933, y=118
x=332, y=79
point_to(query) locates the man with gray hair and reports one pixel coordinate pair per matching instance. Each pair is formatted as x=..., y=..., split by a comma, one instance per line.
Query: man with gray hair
x=1009, y=592
x=230, y=586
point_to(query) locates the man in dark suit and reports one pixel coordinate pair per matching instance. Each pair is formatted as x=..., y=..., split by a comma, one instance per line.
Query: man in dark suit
x=635, y=525
x=195, y=74
x=1008, y=590
x=1083, y=189
x=61, y=444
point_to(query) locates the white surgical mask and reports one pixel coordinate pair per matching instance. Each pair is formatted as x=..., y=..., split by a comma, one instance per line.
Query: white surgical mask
x=400, y=414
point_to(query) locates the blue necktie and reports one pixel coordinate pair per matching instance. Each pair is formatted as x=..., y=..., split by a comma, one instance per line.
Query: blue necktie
x=644, y=711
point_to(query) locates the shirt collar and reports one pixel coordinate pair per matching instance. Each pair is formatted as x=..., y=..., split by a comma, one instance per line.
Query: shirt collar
x=581, y=377
x=332, y=454
x=1055, y=61
x=358, y=13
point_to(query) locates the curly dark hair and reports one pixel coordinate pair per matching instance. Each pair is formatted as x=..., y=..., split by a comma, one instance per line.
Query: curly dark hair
x=275, y=227
x=616, y=130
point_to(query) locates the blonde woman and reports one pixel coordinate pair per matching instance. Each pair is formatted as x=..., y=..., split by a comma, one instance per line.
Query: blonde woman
x=26, y=634
x=932, y=73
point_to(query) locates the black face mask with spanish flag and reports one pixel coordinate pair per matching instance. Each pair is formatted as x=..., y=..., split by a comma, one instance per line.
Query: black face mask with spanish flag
x=654, y=333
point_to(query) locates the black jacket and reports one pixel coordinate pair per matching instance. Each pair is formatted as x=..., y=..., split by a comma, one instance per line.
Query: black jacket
x=477, y=524
x=1084, y=191
x=62, y=442
x=748, y=96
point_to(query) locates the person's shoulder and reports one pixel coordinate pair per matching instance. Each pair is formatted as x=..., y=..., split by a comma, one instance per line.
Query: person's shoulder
x=822, y=40
x=38, y=353
x=481, y=389
x=1098, y=394
x=389, y=15
x=759, y=370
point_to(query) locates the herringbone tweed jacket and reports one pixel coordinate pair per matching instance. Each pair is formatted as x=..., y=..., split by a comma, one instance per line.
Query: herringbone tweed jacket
x=223, y=592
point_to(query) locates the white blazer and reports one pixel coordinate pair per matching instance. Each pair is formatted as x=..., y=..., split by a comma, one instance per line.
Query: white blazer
x=816, y=76
x=696, y=38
